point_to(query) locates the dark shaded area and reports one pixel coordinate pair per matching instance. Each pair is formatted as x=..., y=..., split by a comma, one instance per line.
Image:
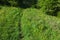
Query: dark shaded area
x=26, y=3
x=54, y=13
x=5, y=3
x=21, y=3
x=56, y=10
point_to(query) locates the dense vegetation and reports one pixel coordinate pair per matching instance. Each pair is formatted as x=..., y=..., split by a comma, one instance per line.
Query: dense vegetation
x=29, y=19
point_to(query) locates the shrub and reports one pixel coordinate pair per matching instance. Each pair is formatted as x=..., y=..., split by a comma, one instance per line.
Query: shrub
x=9, y=23
x=50, y=6
x=38, y=26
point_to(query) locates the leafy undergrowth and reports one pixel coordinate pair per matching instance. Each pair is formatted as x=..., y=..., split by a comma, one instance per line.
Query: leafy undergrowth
x=29, y=20
x=32, y=25
x=9, y=23
x=39, y=26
